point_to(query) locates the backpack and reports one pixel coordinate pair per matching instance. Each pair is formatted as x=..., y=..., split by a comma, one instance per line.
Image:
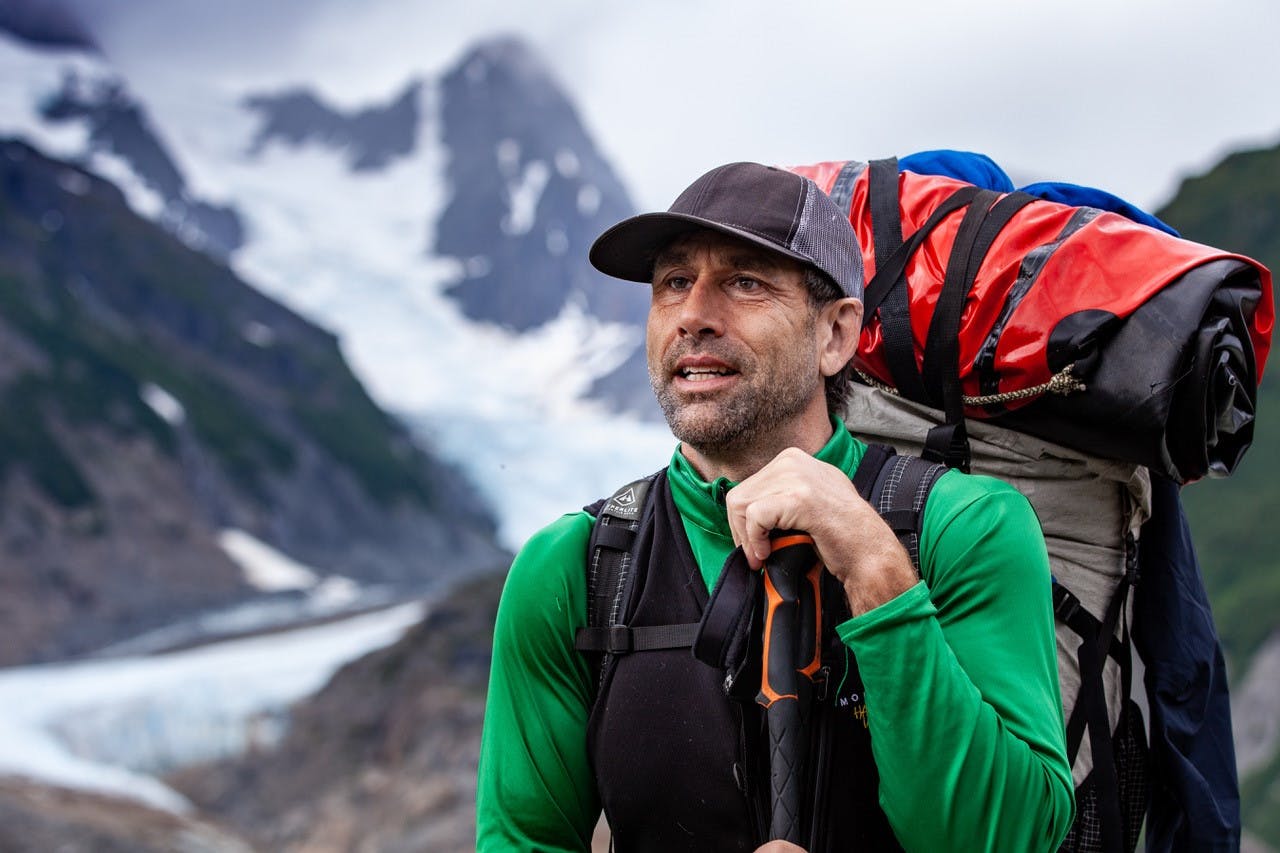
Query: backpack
x=1155, y=346
x=1075, y=324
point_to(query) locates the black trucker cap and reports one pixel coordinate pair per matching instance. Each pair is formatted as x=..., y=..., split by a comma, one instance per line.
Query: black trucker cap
x=771, y=207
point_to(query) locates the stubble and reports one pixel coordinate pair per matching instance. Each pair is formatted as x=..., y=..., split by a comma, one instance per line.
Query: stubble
x=771, y=393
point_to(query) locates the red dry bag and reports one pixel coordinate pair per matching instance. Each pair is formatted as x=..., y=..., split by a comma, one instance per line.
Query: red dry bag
x=1071, y=323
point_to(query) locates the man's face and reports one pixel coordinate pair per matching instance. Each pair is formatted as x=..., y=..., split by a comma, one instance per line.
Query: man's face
x=731, y=342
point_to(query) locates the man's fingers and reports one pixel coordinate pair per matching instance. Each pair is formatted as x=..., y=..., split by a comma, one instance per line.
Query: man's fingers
x=781, y=496
x=753, y=521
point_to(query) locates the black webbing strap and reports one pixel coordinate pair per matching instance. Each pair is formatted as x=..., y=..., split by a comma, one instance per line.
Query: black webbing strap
x=897, y=487
x=615, y=537
x=608, y=576
x=1093, y=702
x=983, y=221
x=888, y=293
x=1068, y=610
x=951, y=299
x=621, y=639
x=948, y=444
x=895, y=310
x=903, y=491
x=868, y=472
x=1096, y=644
x=889, y=274
x=986, y=217
x=886, y=221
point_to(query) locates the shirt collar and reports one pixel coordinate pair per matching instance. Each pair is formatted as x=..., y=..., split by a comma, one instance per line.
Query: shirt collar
x=702, y=503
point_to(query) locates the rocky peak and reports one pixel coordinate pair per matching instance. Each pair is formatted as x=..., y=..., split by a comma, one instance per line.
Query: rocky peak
x=530, y=192
x=118, y=125
x=372, y=137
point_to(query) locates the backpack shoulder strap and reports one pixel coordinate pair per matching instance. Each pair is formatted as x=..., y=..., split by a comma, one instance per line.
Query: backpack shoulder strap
x=611, y=578
x=898, y=486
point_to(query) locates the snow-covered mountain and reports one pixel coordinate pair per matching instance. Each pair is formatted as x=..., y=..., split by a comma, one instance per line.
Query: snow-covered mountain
x=519, y=157
x=440, y=233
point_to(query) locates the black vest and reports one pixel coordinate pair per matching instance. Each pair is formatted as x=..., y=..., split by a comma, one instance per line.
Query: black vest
x=680, y=765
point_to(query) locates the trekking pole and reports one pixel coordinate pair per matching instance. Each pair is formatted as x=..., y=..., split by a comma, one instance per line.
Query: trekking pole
x=792, y=648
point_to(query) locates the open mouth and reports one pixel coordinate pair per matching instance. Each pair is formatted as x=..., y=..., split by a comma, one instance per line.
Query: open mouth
x=704, y=374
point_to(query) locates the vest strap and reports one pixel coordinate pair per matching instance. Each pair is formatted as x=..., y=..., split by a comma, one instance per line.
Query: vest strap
x=622, y=639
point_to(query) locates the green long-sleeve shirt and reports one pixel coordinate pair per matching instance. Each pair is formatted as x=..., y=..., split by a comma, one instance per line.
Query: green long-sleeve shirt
x=959, y=672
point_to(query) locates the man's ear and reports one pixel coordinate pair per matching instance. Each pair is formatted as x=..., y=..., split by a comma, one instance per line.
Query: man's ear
x=841, y=324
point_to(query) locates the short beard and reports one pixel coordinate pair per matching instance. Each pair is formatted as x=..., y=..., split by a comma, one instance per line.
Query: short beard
x=741, y=419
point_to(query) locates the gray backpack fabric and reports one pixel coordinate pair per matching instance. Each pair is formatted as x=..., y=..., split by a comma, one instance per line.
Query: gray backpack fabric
x=1090, y=510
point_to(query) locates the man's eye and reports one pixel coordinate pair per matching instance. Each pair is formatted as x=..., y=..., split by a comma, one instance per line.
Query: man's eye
x=743, y=282
x=678, y=282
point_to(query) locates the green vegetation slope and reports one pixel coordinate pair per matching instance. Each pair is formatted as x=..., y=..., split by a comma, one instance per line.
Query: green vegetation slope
x=1236, y=206
x=149, y=400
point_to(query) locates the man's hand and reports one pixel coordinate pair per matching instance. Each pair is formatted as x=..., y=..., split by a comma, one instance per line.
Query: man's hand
x=795, y=491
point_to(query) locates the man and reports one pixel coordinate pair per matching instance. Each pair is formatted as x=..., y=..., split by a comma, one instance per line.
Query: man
x=756, y=284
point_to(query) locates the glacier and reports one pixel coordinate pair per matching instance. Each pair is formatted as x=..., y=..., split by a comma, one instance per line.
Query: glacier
x=351, y=251
x=112, y=725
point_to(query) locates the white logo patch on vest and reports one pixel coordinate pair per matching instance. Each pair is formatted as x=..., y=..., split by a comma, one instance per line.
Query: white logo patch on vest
x=625, y=503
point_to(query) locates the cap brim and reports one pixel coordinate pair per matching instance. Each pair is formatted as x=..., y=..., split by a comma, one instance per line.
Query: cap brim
x=628, y=249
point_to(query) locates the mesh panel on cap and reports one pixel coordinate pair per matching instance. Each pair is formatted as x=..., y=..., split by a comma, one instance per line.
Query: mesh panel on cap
x=825, y=235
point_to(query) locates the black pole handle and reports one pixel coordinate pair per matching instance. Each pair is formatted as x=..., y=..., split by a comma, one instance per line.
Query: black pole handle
x=791, y=576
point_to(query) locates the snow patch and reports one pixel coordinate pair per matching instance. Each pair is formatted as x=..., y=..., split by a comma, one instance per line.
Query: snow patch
x=589, y=199
x=557, y=241
x=335, y=592
x=264, y=567
x=524, y=195
x=507, y=152
x=140, y=197
x=163, y=403
x=567, y=163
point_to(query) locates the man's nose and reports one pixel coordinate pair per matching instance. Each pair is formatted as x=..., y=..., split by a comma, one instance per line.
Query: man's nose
x=702, y=310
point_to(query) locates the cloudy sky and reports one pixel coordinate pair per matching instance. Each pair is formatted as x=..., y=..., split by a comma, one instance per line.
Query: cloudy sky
x=1129, y=95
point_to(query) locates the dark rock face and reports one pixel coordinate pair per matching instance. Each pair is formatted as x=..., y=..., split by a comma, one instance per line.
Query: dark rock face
x=109, y=507
x=37, y=818
x=383, y=758
x=530, y=193
x=372, y=137
x=117, y=124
